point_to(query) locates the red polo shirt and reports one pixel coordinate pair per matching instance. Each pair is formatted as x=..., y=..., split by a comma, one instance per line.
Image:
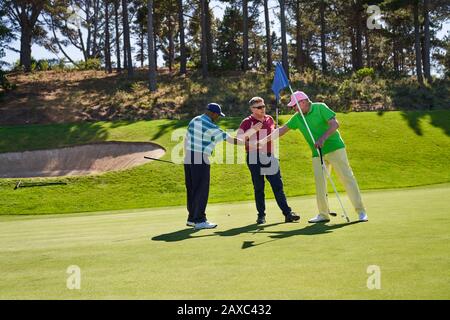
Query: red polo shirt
x=267, y=128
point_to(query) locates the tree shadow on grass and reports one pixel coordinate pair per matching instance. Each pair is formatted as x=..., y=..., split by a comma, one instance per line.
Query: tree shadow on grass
x=438, y=119
x=35, y=137
x=168, y=127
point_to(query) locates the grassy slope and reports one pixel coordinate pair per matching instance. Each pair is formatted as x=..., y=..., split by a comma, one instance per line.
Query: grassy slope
x=75, y=96
x=395, y=149
x=151, y=254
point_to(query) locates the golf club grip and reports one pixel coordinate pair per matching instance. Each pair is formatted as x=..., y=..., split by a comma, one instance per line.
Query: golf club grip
x=320, y=154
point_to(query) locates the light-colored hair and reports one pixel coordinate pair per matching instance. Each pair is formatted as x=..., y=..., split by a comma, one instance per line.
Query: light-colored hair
x=254, y=100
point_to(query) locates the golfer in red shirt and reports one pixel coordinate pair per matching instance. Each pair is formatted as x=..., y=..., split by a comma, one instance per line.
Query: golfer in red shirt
x=262, y=162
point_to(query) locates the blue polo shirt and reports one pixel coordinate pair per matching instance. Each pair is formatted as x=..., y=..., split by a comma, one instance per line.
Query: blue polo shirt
x=203, y=135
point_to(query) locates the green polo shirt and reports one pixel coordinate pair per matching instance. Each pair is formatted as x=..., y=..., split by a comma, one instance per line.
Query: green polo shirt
x=317, y=119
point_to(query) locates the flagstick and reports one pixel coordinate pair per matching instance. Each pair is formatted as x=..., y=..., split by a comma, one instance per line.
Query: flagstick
x=277, y=115
x=323, y=166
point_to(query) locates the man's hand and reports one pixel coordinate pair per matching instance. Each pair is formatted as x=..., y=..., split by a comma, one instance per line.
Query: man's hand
x=262, y=142
x=256, y=144
x=320, y=142
x=257, y=126
x=253, y=129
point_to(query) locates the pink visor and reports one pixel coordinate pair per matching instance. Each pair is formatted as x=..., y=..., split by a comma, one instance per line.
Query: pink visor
x=300, y=95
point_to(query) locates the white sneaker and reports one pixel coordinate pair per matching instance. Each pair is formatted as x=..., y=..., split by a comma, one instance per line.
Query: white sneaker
x=319, y=218
x=363, y=217
x=190, y=224
x=205, y=225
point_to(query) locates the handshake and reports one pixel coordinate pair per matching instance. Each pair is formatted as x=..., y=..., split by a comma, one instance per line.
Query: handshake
x=252, y=139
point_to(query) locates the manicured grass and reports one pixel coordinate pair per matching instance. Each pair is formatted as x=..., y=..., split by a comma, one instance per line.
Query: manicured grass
x=151, y=254
x=390, y=150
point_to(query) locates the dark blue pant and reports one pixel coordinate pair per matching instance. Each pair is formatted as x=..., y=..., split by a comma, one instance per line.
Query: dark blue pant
x=257, y=166
x=197, y=177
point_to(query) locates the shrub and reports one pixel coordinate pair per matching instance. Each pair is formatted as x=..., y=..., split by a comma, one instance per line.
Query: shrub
x=365, y=72
x=43, y=65
x=90, y=64
x=4, y=82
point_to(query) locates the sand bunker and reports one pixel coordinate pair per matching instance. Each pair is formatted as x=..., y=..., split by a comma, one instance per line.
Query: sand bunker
x=78, y=160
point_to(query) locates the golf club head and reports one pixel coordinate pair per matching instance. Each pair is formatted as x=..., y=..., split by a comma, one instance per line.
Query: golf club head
x=17, y=185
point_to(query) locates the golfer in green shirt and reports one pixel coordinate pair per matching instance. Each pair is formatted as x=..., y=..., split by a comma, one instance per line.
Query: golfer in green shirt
x=323, y=125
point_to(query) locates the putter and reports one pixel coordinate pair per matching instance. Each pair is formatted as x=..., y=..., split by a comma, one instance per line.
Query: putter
x=21, y=184
x=18, y=184
x=150, y=158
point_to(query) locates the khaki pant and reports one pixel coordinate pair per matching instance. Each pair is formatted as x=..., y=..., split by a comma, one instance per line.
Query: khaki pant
x=338, y=160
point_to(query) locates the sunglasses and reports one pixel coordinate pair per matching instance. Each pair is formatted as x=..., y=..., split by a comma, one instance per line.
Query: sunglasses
x=259, y=107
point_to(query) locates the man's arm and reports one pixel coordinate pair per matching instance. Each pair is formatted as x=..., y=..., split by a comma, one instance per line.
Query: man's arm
x=277, y=133
x=242, y=136
x=333, y=126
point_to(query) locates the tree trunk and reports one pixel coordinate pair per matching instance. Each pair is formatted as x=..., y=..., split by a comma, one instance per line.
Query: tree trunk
x=108, y=66
x=322, y=36
x=209, y=39
x=25, y=48
x=126, y=36
x=94, y=41
x=359, y=27
x=151, y=48
x=307, y=56
x=171, y=43
x=245, y=35
x=141, y=39
x=268, y=41
x=204, y=57
x=395, y=52
x=299, y=53
x=426, y=48
x=367, y=43
x=116, y=17
x=125, y=53
x=182, y=42
x=89, y=31
x=155, y=47
x=353, y=45
x=27, y=21
x=284, y=49
x=417, y=42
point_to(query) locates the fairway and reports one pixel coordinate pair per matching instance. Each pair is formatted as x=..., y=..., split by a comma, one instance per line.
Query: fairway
x=151, y=254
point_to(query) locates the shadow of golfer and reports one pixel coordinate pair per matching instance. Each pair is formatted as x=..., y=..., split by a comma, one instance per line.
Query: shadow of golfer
x=179, y=235
x=251, y=228
x=314, y=229
x=317, y=228
x=188, y=233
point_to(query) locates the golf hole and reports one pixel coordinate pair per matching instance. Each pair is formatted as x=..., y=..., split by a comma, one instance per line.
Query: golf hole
x=85, y=159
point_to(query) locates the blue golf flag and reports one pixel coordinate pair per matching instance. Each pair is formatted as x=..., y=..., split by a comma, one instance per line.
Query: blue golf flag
x=280, y=81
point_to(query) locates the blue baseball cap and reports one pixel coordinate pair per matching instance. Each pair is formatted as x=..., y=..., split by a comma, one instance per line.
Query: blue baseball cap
x=214, y=107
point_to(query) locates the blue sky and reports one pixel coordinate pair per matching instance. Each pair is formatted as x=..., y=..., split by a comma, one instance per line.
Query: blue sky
x=218, y=8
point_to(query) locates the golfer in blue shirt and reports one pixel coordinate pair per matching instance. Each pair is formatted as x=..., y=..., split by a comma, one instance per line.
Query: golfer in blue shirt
x=201, y=138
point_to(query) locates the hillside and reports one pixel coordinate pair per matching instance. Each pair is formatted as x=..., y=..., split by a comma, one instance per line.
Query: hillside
x=65, y=96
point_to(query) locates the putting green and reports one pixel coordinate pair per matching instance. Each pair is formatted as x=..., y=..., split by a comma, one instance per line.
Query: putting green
x=151, y=254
